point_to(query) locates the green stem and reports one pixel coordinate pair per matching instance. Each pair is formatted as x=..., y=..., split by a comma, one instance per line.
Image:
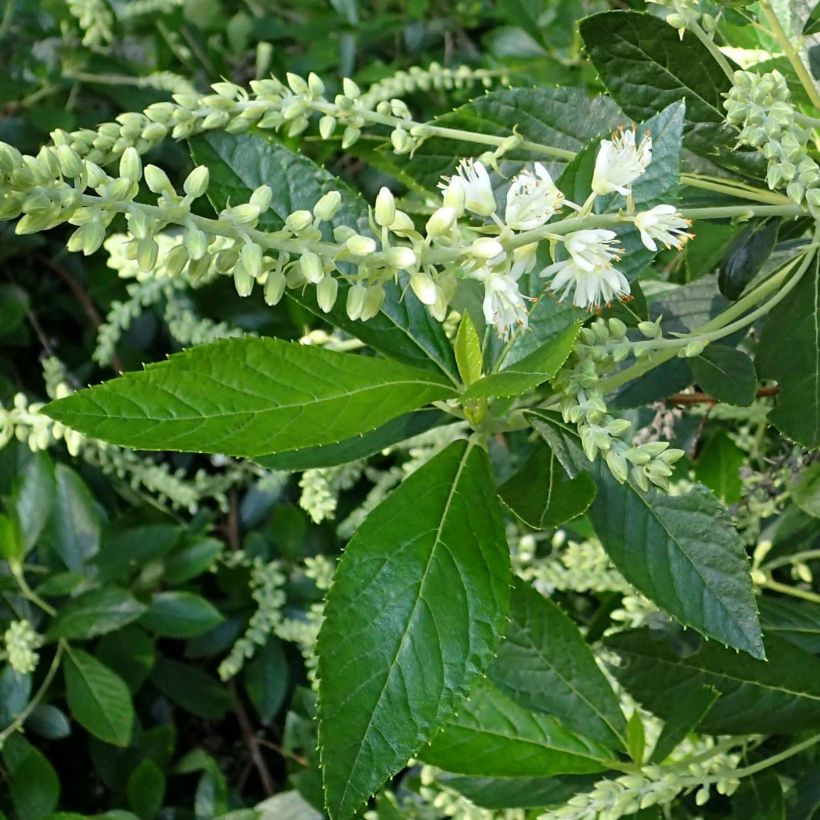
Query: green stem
x=806, y=555
x=747, y=771
x=8, y=15
x=38, y=696
x=735, y=189
x=794, y=592
x=791, y=53
x=698, y=31
x=28, y=592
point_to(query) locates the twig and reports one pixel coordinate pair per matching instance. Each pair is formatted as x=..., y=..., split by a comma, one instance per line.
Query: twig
x=279, y=750
x=705, y=398
x=252, y=743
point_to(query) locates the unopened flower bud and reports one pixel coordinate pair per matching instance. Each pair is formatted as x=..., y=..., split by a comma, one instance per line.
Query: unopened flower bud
x=243, y=281
x=327, y=125
x=355, y=301
x=297, y=221
x=441, y=222
x=196, y=183
x=360, y=245
x=486, y=248
x=252, y=259
x=131, y=165
x=649, y=329
x=400, y=257
x=325, y=209
x=274, y=287
x=425, y=288
x=385, y=209
x=311, y=267
x=326, y=292
x=157, y=180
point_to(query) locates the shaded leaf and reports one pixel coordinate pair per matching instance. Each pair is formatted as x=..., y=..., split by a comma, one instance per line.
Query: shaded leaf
x=688, y=709
x=726, y=374
x=95, y=613
x=179, y=614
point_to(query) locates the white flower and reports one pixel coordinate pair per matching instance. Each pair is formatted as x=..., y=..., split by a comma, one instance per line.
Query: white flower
x=472, y=178
x=532, y=200
x=589, y=270
x=620, y=162
x=592, y=248
x=664, y=224
x=523, y=260
x=504, y=305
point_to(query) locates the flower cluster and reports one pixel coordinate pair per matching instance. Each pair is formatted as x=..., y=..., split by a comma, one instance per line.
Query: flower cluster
x=601, y=346
x=22, y=643
x=95, y=19
x=24, y=421
x=762, y=106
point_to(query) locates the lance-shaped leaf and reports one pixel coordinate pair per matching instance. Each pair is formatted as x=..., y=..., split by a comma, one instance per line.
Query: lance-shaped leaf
x=239, y=163
x=544, y=664
x=248, y=397
x=681, y=551
x=781, y=696
x=789, y=351
x=527, y=373
x=493, y=736
x=413, y=617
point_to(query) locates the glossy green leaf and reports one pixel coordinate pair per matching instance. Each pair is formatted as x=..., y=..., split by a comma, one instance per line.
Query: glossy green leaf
x=646, y=66
x=789, y=351
x=98, y=699
x=681, y=551
x=191, y=688
x=33, y=497
x=266, y=679
x=687, y=711
x=130, y=653
x=636, y=738
x=526, y=374
x=192, y=559
x=544, y=664
x=33, y=784
x=145, y=789
x=469, y=357
x=239, y=163
x=795, y=621
x=48, y=721
x=547, y=320
x=746, y=255
x=805, y=489
x=357, y=447
x=15, y=691
x=179, y=614
x=12, y=547
x=726, y=374
x=759, y=797
x=541, y=493
x=95, y=613
x=777, y=696
x=248, y=397
x=718, y=467
x=419, y=601
x=493, y=736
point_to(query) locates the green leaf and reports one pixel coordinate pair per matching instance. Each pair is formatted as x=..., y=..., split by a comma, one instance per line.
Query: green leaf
x=526, y=374
x=795, y=621
x=565, y=118
x=180, y=615
x=759, y=797
x=33, y=497
x=33, y=783
x=266, y=679
x=192, y=559
x=541, y=493
x=358, y=447
x=493, y=736
x=726, y=374
x=98, y=699
x=15, y=691
x=95, y=613
x=74, y=526
x=12, y=547
x=687, y=711
x=544, y=664
x=239, y=163
x=781, y=696
x=718, y=467
x=49, y=722
x=192, y=689
x=789, y=351
x=681, y=551
x=746, y=255
x=130, y=653
x=646, y=66
x=419, y=601
x=636, y=738
x=548, y=319
x=145, y=789
x=248, y=397
x=805, y=489
x=469, y=357
x=14, y=304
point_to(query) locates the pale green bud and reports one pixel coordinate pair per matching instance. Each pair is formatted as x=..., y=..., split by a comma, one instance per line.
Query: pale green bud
x=225, y=261
x=88, y=238
x=385, y=209
x=326, y=293
x=441, y=222
x=251, y=256
x=486, y=248
x=157, y=180
x=355, y=301
x=262, y=197
x=196, y=183
x=403, y=224
x=360, y=245
x=350, y=89
x=327, y=125
x=400, y=140
x=176, y=260
x=693, y=349
x=311, y=267
x=401, y=258
x=297, y=221
x=297, y=84
x=618, y=465
x=147, y=252
x=245, y=214
x=315, y=84
x=639, y=477
x=617, y=328
x=274, y=287
x=95, y=176
x=131, y=165
x=350, y=135
x=425, y=288
x=341, y=233
x=649, y=329
x=617, y=427
x=298, y=125
x=243, y=281
x=326, y=208
x=70, y=164
x=196, y=242
x=374, y=299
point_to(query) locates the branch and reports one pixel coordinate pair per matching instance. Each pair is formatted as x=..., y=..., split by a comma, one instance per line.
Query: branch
x=704, y=398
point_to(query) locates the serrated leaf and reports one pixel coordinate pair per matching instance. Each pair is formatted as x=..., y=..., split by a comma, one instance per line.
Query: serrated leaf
x=718, y=467
x=789, y=351
x=239, y=163
x=686, y=713
x=646, y=66
x=180, y=614
x=544, y=664
x=248, y=397
x=526, y=374
x=493, y=736
x=541, y=493
x=548, y=318
x=358, y=447
x=725, y=373
x=412, y=619
x=98, y=699
x=681, y=551
x=781, y=696
x=794, y=621
x=95, y=613
x=565, y=118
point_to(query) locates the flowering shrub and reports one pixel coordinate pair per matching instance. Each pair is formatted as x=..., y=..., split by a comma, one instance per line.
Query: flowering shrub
x=546, y=365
